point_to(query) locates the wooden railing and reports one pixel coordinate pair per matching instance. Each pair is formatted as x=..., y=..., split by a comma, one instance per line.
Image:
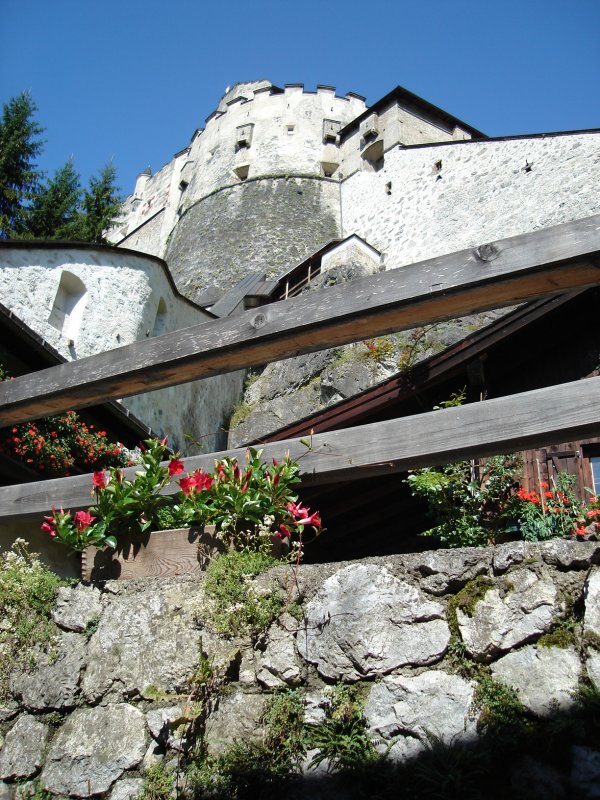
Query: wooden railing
x=501, y=273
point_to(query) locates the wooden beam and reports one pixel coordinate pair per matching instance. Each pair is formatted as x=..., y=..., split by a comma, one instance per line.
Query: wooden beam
x=505, y=272
x=556, y=414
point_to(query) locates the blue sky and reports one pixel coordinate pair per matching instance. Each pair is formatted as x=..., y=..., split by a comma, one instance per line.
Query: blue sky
x=131, y=80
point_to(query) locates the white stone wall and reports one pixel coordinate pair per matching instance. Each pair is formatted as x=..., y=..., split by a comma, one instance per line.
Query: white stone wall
x=123, y=293
x=287, y=138
x=449, y=197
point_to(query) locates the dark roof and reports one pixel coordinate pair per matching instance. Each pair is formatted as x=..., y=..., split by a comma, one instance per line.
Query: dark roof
x=410, y=100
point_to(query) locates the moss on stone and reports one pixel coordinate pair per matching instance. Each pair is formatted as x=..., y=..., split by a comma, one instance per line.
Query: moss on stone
x=560, y=637
x=591, y=640
x=466, y=600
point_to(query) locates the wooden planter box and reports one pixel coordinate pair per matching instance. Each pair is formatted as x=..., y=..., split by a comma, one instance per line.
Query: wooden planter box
x=183, y=551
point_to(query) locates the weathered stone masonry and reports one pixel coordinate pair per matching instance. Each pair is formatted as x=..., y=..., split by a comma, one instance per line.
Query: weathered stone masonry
x=126, y=651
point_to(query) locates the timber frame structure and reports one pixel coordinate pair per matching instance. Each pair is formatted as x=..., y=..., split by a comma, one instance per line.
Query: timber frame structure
x=540, y=264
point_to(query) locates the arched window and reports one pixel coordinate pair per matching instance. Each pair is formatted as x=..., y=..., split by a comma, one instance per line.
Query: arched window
x=69, y=303
x=160, y=321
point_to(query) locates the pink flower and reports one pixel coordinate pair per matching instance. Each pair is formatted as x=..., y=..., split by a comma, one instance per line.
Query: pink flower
x=82, y=520
x=47, y=528
x=175, y=467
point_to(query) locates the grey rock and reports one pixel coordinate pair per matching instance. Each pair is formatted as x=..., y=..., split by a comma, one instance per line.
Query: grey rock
x=8, y=710
x=314, y=708
x=22, y=753
x=585, y=770
x=287, y=376
x=339, y=635
x=154, y=755
x=591, y=594
x=278, y=665
x=543, y=781
x=444, y=571
x=54, y=682
x=411, y=708
x=592, y=666
x=76, y=607
x=127, y=788
x=237, y=717
x=544, y=677
x=5, y=791
x=570, y=555
x=147, y=637
x=93, y=749
x=162, y=720
x=500, y=623
x=350, y=378
x=511, y=554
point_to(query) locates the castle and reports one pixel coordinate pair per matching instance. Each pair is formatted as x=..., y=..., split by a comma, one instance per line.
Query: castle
x=275, y=176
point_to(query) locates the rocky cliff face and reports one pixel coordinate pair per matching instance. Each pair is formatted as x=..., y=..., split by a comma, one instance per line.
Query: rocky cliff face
x=418, y=633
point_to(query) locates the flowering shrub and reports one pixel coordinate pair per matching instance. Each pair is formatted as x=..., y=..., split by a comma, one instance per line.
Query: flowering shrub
x=474, y=505
x=249, y=504
x=469, y=506
x=56, y=445
x=551, y=511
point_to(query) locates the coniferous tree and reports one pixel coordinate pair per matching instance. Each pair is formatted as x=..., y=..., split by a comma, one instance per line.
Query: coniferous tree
x=19, y=177
x=54, y=212
x=101, y=204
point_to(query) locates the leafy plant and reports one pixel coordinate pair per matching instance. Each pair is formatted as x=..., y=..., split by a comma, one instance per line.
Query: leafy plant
x=470, y=503
x=250, y=505
x=552, y=511
x=158, y=784
x=27, y=593
x=237, y=605
x=342, y=739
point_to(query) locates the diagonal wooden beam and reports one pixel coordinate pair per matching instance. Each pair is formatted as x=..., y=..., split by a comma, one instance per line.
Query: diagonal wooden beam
x=556, y=414
x=500, y=273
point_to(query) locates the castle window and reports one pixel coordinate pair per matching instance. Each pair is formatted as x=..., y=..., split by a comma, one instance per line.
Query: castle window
x=331, y=128
x=160, y=321
x=243, y=136
x=68, y=306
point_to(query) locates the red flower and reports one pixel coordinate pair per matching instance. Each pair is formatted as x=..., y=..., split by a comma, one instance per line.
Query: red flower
x=175, y=467
x=99, y=480
x=187, y=485
x=82, y=520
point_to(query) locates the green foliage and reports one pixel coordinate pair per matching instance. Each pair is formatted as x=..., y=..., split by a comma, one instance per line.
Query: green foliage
x=237, y=606
x=469, y=503
x=19, y=177
x=285, y=739
x=342, y=739
x=158, y=784
x=455, y=400
x=27, y=594
x=56, y=209
x=54, y=212
x=501, y=709
x=466, y=600
x=100, y=207
x=240, y=414
x=252, y=506
x=551, y=511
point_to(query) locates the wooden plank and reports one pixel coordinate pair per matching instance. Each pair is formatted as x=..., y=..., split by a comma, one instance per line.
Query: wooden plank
x=545, y=262
x=556, y=414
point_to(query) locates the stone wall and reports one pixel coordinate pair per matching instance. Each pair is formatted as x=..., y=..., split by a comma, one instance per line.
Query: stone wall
x=108, y=701
x=265, y=226
x=428, y=201
x=114, y=297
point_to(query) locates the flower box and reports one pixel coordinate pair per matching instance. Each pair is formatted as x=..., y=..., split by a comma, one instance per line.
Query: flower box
x=182, y=551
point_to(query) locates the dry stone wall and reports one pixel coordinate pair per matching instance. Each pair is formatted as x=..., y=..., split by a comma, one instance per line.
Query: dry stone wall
x=108, y=700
